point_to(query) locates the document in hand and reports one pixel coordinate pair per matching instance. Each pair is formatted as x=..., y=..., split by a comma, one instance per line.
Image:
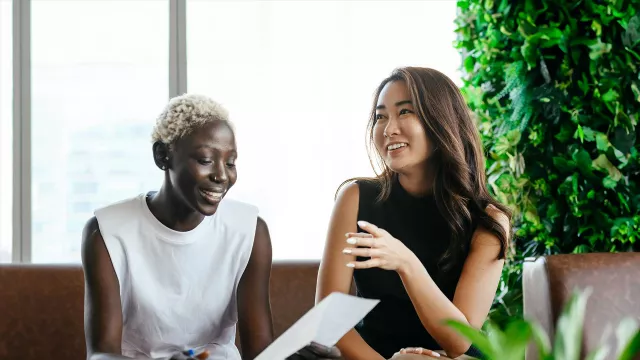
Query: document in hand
x=325, y=324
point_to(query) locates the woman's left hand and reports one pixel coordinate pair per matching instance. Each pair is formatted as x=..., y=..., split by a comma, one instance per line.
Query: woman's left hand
x=418, y=351
x=385, y=251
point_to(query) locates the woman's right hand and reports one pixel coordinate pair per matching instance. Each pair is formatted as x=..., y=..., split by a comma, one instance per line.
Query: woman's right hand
x=315, y=351
x=182, y=356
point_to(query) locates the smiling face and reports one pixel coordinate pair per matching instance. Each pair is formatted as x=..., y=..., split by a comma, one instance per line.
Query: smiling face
x=203, y=166
x=398, y=133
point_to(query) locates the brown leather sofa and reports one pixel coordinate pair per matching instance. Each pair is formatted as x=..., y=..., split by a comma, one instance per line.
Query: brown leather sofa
x=615, y=281
x=41, y=307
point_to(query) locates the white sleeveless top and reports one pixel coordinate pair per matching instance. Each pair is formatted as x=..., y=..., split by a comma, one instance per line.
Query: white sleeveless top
x=178, y=289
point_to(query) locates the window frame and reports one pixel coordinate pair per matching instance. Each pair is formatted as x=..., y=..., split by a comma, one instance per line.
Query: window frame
x=21, y=250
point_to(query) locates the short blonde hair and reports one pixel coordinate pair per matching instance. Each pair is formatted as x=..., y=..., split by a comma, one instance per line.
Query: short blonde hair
x=183, y=114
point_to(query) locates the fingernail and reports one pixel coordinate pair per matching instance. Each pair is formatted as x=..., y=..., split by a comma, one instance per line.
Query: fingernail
x=347, y=251
x=351, y=265
x=435, y=354
x=362, y=223
x=351, y=241
x=203, y=356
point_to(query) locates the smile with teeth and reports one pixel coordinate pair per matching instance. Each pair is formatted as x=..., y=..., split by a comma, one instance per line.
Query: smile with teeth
x=396, y=146
x=211, y=196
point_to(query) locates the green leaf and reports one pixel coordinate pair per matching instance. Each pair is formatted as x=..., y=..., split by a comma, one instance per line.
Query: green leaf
x=602, y=141
x=602, y=163
x=628, y=336
x=517, y=335
x=477, y=338
x=581, y=249
x=589, y=134
x=598, y=354
x=610, y=95
x=568, y=338
x=563, y=164
x=579, y=133
x=541, y=339
x=632, y=349
x=469, y=64
x=598, y=49
x=583, y=162
x=565, y=133
x=609, y=182
x=636, y=91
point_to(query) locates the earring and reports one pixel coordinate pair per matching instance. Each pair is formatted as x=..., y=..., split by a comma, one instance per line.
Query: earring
x=163, y=167
x=166, y=158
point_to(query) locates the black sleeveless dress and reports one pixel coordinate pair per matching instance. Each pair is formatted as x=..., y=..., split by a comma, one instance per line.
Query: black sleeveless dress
x=394, y=324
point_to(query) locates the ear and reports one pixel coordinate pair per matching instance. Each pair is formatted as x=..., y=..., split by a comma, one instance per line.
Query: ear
x=161, y=155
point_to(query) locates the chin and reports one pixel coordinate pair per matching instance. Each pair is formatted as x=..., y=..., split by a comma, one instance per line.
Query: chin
x=397, y=166
x=207, y=210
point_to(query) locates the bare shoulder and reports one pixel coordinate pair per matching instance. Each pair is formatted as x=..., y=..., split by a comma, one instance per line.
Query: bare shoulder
x=261, y=227
x=483, y=236
x=262, y=240
x=349, y=193
x=91, y=228
x=91, y=240
x=345, y=209
x=499, y=216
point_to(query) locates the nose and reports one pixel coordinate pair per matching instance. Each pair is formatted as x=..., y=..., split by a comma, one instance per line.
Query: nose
x=392, y=128
x=219, y=173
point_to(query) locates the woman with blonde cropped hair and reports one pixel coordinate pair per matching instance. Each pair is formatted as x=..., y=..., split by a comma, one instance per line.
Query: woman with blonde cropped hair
x=171, y=273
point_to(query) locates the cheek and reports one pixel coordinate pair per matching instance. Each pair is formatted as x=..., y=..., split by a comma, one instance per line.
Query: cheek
x=419, y=137
x=233, y=176
x=187, y=176
x=378, y=137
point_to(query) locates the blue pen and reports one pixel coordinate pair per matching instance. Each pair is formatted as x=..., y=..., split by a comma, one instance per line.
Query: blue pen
x=193, y=353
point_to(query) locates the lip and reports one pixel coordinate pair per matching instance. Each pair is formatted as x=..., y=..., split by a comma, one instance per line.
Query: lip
x=212, y=196
x=398, y=151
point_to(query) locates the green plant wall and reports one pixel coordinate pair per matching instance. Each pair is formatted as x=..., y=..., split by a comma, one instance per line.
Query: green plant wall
x=555, y=88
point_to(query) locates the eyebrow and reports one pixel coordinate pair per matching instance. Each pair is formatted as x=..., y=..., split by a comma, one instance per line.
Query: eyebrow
x=399, y=103
x=209, y=147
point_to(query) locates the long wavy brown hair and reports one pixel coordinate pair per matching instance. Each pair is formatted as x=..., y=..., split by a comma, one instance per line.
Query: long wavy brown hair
x=459, y=187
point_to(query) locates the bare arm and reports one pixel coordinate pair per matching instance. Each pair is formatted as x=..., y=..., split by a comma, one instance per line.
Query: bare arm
x=334, y=275
x=254, y=309
x=474, y=293
x=102, y=309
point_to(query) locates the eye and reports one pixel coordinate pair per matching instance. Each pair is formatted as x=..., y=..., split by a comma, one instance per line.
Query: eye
x=204, y=161
x=231, y=165
x=405, y=111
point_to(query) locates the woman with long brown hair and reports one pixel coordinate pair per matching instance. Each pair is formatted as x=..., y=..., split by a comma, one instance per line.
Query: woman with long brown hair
x=424, y=236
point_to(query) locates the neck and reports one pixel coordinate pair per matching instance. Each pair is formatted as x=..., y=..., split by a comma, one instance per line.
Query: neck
x=172, y=212
x=418, y=182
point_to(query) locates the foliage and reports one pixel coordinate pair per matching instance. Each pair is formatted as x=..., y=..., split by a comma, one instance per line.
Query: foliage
x=555, y=88
x=511, y=342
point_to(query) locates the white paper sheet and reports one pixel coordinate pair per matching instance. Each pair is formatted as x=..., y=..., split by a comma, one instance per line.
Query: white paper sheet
x=325, y=324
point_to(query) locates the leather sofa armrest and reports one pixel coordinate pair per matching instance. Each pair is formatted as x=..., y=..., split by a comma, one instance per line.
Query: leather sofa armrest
x=537, y=299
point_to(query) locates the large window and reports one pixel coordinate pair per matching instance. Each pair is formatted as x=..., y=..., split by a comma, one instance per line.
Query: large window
x=6, y=129
x=99, y=78
x=298, y=79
